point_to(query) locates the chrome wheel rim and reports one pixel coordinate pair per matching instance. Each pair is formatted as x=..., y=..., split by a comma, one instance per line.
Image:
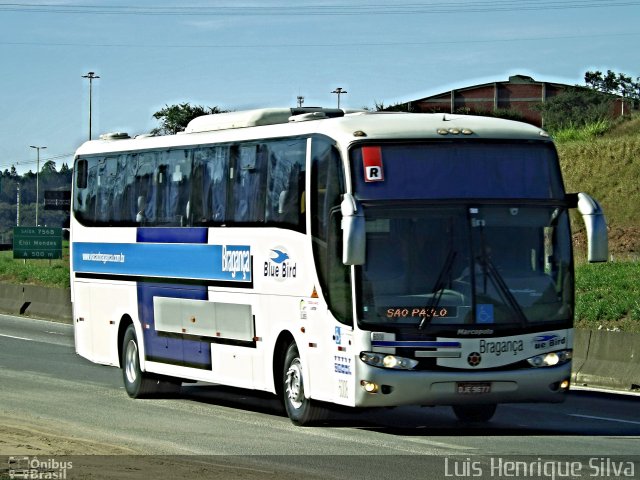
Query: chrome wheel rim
x=293, y=382
x=131, y=361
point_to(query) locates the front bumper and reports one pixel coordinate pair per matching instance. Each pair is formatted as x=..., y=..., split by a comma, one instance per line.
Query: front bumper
x=406, y=387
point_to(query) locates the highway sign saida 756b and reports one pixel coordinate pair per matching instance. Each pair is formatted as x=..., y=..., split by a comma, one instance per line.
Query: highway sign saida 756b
x=37, y=242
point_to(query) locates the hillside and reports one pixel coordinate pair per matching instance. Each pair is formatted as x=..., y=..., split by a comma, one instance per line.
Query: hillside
x=608, y=168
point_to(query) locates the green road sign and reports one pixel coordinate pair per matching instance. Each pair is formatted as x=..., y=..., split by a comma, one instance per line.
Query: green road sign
x=37, y=242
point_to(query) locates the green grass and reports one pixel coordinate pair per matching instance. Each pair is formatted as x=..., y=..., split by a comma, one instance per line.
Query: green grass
x=608, y=296
x=46, y=273
x=608, y=168
x=582, y=133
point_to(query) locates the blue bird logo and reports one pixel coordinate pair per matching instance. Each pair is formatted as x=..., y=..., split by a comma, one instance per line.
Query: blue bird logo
x=280, y=256
x=544, y=338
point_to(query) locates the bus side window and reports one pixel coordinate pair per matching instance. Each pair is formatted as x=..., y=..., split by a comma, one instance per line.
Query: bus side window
x=208, y=203
x=248, y=185
x=81, y=174
x=172, y=184
x=81, y=190
x=92, y=187
x=144, y=188
x=285, y=184
x=105, y=190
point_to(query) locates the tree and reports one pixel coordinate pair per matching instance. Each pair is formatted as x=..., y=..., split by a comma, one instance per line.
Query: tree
x=49, y=167
x=174, y=118
x=613, y=83
x=575, y=107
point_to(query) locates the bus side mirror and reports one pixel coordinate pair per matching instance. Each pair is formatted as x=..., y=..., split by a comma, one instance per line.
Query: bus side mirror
x=596, y=225
x=353, y=231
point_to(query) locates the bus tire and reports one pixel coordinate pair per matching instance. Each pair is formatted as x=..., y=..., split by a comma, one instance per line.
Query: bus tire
x=474, y=413
x=301, y=410
x=137, y=383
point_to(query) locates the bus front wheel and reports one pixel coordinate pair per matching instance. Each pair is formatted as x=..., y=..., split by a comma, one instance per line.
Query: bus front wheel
x=474, y=413
x=137, y=383
x=301, y=410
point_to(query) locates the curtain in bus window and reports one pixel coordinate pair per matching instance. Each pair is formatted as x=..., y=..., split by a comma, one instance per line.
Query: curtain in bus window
x=124, y=199
x=285, y=184
x=248, y=188
x=209, y=192
x=172, y=184
x=144, y=188
x=84, y=203
x=105, y=180
x=92, y=188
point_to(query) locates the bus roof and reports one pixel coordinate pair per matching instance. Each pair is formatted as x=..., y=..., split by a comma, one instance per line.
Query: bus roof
x=344, y=126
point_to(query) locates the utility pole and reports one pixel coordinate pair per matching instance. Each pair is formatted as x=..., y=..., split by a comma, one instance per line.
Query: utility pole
x=18, y=205
x=339, y=91
x=37, y=180
x=91, y=76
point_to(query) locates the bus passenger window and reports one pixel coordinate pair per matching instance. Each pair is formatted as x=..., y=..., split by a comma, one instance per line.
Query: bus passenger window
x=209, y=185
x=248, y=184
x=285, y=183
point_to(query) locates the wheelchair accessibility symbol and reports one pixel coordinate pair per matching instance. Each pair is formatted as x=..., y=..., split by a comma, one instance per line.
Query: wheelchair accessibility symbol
x=484, y=313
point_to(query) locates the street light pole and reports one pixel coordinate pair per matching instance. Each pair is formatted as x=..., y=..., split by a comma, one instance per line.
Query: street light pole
x=91, y=76
x=339, y=91
x=37, y=180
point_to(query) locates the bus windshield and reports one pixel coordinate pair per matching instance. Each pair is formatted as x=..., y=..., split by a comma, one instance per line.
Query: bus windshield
x=483, y=265
x=477, y=237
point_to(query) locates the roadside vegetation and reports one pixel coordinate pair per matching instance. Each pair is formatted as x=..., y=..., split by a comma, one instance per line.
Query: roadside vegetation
x=608, y=296
x=46, y=273
x=605, y=162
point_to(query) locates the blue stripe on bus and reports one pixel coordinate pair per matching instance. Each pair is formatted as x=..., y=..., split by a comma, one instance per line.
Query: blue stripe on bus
x=175, y=350
x=231, y=263
x=172, y=235
x=415, y=344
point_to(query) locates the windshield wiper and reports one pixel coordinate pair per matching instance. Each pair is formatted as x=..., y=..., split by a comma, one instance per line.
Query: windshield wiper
x=501, y=285
x=438, y=289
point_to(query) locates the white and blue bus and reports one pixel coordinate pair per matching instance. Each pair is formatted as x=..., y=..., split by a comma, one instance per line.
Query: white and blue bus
x=331, y=257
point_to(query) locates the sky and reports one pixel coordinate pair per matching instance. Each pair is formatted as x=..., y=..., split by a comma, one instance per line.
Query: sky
x=241, y=54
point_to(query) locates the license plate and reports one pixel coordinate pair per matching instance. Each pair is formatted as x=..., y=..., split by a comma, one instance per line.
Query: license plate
x=473, y=388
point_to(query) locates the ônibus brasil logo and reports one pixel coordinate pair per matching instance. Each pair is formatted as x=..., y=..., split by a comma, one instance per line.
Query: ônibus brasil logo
x=279, y=265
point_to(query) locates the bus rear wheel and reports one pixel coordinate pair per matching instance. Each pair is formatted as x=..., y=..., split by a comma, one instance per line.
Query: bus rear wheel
x=474, y=413
x=137, y=383
x=301, y=410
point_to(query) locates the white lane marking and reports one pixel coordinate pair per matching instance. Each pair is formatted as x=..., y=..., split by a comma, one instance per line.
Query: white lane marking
x=54, y=333
x=19, y=338
x=603, y=418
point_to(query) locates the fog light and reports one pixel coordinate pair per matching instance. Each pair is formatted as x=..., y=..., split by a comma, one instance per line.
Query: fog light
x=564, y=385
x=369, y=387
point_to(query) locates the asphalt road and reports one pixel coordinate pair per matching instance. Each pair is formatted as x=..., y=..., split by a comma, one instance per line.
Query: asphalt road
x=45, y=386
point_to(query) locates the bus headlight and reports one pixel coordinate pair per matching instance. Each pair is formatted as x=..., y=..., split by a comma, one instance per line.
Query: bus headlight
x=550, y=359
x=386, y=360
